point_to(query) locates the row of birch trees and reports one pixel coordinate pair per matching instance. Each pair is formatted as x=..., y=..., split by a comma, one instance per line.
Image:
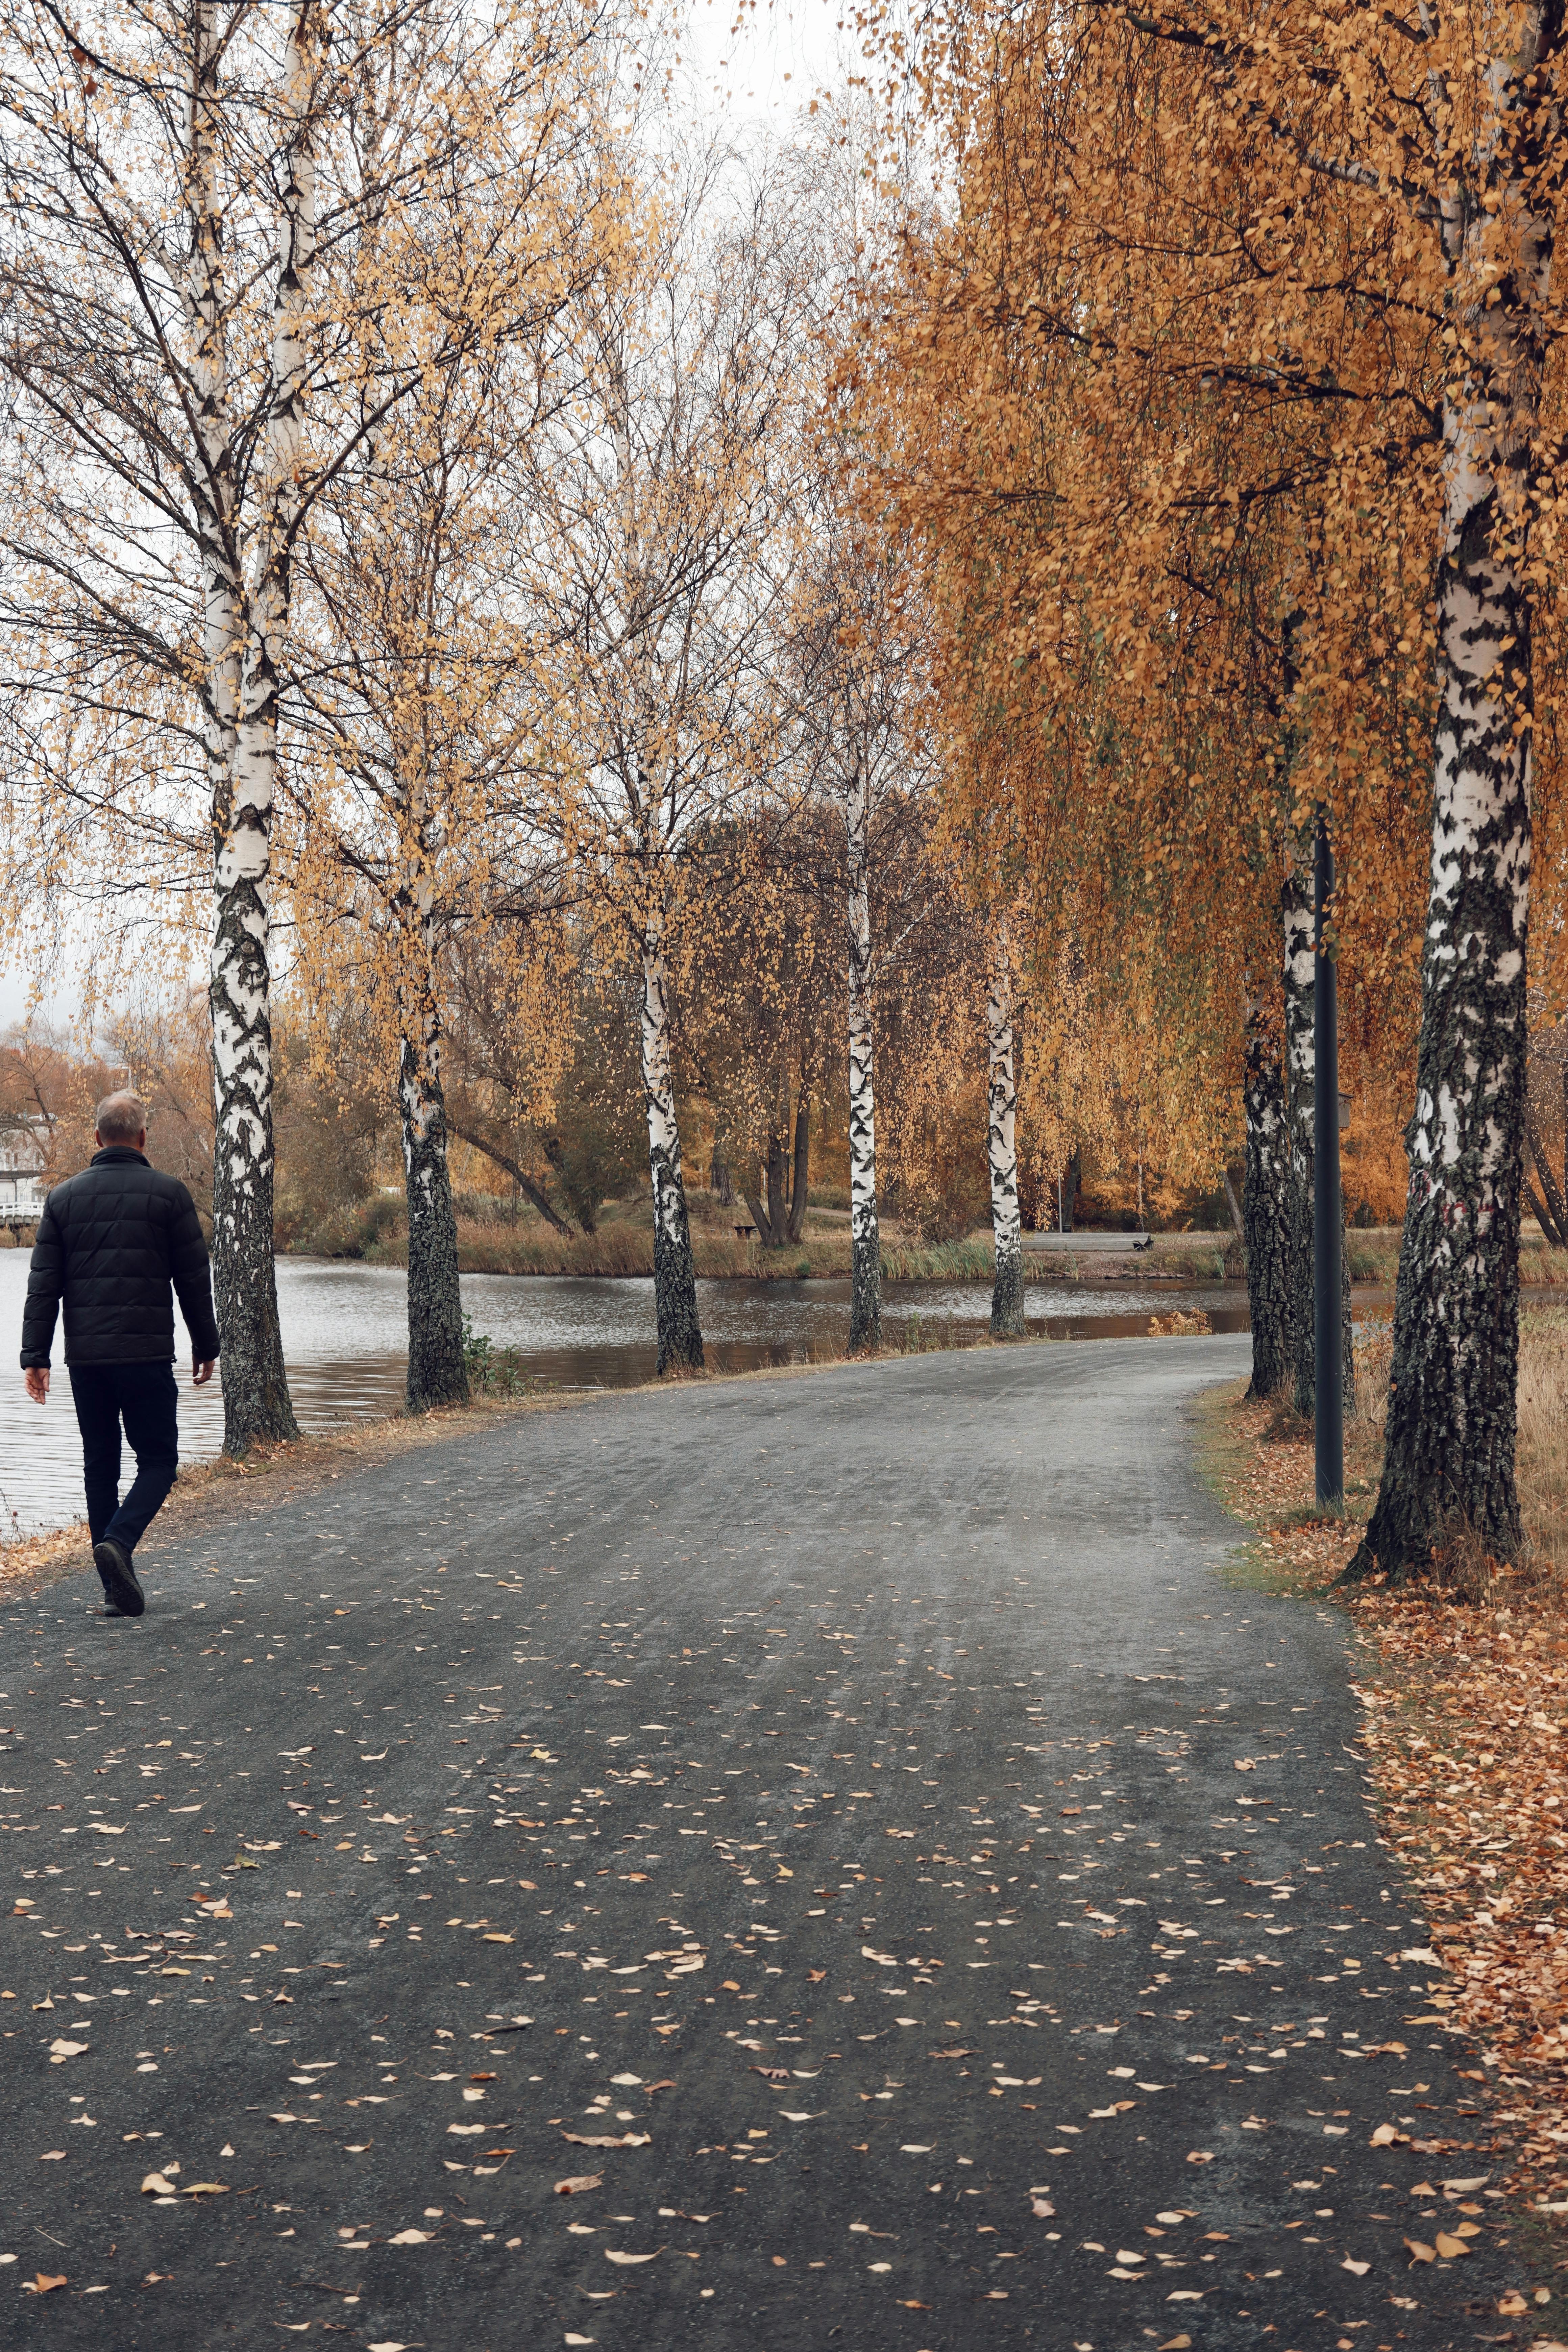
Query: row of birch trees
x=429, y=528
x=1223, y=399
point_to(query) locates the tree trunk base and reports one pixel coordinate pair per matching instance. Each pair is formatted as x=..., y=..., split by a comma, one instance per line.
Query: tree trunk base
x=1007, y=1296
x=866, y=1294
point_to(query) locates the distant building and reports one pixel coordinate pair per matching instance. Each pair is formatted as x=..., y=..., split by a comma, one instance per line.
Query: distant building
x=23, y=1160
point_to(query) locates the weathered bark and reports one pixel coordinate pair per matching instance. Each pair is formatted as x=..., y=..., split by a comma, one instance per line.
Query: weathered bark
x=256, y=1403
x=1448, y=1453
x=865, y=1242
x=1296, y=916
x=1071, y=1179
x=526, y=1184
x=1448, y=1457
x=1008, y=1288
x=720, y=1179
x=800, y=1175
x=1266, y=1211
x=779, y=1214
x=1551, y=1211
x=437, y=1372
x=674, y=1276
x=769, y=1204
x=1296, y=910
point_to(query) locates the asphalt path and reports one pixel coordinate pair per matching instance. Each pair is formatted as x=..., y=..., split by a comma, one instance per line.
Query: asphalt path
x=829, y=1819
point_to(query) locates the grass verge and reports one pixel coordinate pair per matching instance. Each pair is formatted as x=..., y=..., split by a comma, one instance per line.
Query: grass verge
x=1464, y=1691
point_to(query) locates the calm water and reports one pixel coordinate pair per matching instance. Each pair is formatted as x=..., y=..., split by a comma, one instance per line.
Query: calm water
x=344, y=1337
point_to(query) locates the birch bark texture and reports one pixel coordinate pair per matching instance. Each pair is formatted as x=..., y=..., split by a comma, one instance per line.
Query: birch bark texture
x=437, y=1373
x=1299, y=967
x=864, y=1240
x=1448, y=1459
x=1002, y=1154
x=256, y=1403
x=1449, y=1456
x=679, y=1332
x=1266, y=1209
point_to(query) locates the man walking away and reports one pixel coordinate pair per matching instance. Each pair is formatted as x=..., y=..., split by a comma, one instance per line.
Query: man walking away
x=110, y=1242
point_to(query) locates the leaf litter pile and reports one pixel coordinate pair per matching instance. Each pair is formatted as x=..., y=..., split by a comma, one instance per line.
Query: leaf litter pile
x=1466, y=1733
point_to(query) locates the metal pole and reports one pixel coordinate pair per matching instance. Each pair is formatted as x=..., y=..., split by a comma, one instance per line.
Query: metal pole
x=1326, y=1214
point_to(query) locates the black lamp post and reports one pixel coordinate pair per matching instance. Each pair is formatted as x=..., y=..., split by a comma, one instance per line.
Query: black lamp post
x=1326, y=1212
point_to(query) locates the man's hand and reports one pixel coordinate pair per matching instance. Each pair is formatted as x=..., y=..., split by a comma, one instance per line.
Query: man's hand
x=200, y=1373
x=38, y=1379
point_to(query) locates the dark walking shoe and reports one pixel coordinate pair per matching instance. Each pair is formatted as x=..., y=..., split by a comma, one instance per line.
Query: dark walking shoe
x=121, y=1589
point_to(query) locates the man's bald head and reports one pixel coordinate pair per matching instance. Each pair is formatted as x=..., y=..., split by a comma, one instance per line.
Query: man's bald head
x=121, y=1118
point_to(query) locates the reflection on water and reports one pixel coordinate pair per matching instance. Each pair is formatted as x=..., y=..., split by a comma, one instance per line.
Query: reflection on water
x=344, y=1338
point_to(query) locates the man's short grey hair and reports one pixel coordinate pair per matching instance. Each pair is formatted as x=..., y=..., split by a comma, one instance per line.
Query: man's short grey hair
x=121, y=1117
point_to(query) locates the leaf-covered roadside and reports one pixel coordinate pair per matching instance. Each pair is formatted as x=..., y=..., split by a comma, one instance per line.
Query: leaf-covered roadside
x=1466, y=1716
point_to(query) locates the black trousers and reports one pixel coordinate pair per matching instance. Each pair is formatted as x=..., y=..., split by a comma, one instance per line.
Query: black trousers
x=145, y=1398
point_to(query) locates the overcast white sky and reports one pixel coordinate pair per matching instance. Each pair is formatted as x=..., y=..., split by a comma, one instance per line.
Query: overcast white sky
x=778, y=59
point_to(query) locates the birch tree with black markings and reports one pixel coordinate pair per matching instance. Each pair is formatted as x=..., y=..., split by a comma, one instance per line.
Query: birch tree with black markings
x=654, y=562
x=181, y=276
x=1002, y=1153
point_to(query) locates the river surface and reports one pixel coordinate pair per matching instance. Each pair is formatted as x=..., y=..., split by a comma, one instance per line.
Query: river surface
x=345, y=1341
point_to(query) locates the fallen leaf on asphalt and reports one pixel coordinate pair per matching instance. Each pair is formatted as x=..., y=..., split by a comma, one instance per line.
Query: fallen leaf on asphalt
x=576, y=2182
x=59, y=2050
x=154, y=2185
x=1511, y=2306
x=1449, y=2247
x=1177, y=2344
x=817, y=1975
x=1385, y=2135
x=1199, y=2156
x=204, y=2188
x=1419, y=2252
x=1246, y=1764
x=53, y=2155
x=772, y=2074
x=611, y=2256
x=1359, y=2269
x=410, y=2238
x=45, y=2284
x=627, y=2140
x=1042, y=2208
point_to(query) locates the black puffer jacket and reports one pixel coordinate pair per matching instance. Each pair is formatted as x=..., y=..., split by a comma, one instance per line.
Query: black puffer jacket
x=110, y=1242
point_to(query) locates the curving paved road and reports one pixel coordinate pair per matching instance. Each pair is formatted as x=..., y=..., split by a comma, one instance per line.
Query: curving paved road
x=821, y=1792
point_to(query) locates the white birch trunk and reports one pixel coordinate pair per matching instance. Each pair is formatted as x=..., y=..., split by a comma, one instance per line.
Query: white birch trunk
x=256, y=1390
x=1300, y=1079
x=207, y=301
x=1265, y=1211
x=1007, y=1290
x=1448, y=1455
x=866, y=1248
x=1301, y=1036
x=437, y=1373
x=674, y=1276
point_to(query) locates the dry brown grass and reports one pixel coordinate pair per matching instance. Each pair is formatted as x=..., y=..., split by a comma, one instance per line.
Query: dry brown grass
x=1542, y=1459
